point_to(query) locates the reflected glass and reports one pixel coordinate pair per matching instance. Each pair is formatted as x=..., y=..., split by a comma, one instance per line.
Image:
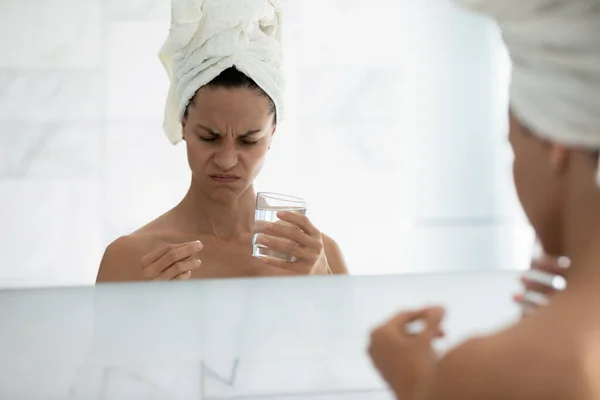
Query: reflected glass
x=404, y=120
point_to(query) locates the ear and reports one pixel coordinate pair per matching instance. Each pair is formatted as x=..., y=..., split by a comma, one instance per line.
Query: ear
x=183, y=129
x=559, y=156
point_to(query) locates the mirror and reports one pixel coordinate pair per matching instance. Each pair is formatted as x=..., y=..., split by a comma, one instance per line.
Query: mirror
x=401, y=109
x=225, y=339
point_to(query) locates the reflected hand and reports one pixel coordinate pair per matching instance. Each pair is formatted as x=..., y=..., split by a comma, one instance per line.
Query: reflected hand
x=537, y=294
x=406, y=360
x=298, y=238
x=173, y=262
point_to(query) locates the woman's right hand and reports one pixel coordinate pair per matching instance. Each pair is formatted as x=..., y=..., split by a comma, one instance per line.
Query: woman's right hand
x=173, y=262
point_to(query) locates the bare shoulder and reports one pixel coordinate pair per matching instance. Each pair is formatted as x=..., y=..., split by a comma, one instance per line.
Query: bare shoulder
x=511, y=364
x=121, y=261
x=334, y=255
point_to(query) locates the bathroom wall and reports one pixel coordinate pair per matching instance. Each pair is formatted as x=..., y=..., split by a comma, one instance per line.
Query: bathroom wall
x=395, y=134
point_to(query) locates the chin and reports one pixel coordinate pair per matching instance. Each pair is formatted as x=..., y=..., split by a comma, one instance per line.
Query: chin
x=226, y=194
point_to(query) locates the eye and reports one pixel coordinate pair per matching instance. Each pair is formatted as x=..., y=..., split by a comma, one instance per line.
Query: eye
x=211, y=138
x=248, y=142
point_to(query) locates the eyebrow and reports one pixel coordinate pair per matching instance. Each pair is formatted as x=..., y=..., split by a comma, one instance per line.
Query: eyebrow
x=212, y=132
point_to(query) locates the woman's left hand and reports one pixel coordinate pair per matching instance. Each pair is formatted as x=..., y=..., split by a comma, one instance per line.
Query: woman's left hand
x=405, y=359
x=298, y=238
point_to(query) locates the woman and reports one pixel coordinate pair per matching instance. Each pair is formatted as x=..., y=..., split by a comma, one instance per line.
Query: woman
x=225, y=100
x=555, y=136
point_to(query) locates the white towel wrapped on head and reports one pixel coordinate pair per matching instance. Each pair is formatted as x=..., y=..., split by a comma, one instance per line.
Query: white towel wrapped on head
x=555, y=51
x=209, y=36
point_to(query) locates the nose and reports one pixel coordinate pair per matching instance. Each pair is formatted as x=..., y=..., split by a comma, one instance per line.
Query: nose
x=226, y=156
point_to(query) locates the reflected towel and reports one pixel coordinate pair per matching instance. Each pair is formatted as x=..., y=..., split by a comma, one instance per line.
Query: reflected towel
x=207, y=37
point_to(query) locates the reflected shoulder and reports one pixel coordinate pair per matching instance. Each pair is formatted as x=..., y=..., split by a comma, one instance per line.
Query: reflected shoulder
x=335, y=257
x=121, y=260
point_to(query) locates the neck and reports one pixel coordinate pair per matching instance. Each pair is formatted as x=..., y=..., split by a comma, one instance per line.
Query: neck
x=225, y=217
x=582, y=242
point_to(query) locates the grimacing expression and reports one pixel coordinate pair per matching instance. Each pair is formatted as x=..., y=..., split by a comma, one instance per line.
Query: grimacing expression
x=228, y=133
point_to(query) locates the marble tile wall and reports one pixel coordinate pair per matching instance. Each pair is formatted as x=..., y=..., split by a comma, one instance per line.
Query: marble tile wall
x=399, y=105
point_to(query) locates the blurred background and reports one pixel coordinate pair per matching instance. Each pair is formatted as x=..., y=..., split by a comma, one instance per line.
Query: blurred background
x=396, y=134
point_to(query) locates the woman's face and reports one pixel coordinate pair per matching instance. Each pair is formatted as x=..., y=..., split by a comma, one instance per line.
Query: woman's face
x=539, y=185
x=228, y=133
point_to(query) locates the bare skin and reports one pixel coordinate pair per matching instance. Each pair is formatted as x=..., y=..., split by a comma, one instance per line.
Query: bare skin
x=553, y=353
x=561, y=363
x=123, y=259
x=228, y=133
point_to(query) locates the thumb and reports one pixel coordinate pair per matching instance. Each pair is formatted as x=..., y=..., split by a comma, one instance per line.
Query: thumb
x=433, y=317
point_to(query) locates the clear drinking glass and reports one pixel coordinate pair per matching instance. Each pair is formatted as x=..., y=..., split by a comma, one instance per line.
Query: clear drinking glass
x=267, y=207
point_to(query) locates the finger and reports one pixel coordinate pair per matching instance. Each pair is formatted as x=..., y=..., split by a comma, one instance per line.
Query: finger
x=551, y=265
x=542, y=278
x=270, y=271
x=185, y=276
x=299, y=220
x=293, y=233
x=433, y=317
x=424, y=322
x=178, y=253
x=534, y=286
x=284, y=246
x=531, y=299
x=158, y=253
x=180, y=267
x=292, y=267
x=400, y=320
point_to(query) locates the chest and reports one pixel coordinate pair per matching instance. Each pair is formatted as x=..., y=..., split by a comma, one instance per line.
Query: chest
x=227, y=260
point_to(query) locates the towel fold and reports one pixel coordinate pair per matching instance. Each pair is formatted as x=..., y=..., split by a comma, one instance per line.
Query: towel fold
x=209, y=36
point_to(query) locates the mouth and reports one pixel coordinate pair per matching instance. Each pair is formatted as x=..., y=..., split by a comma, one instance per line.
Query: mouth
x=224, y=178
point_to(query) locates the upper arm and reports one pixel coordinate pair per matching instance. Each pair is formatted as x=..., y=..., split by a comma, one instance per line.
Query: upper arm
x=120, y=262
x=463, y=374
x=334, y=255
x=494, y=368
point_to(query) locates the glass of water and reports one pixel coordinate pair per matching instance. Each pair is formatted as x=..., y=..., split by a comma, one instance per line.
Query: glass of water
x=267, y=207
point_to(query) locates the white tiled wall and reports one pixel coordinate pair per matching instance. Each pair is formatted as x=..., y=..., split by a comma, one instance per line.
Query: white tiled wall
x=395, y=135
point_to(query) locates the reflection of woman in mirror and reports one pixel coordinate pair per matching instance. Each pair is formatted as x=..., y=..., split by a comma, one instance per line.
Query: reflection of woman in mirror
x=224, y=61
x=555, y=136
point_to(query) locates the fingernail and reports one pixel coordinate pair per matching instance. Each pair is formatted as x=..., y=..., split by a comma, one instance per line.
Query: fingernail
x=518, y=298
x=197, y=262
x=564, y=262
x=199, y=244
x=189, y=273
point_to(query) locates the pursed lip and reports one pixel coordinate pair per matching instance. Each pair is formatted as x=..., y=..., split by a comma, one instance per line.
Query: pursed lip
x=224, y=178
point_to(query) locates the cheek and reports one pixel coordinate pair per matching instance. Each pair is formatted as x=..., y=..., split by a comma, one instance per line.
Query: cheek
x=197, y=154
x=255, y=157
